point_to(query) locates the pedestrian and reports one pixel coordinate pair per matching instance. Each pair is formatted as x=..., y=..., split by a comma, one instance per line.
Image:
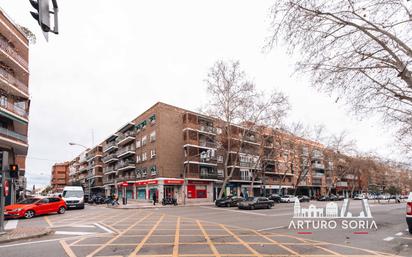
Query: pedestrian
x=241, y=194
x=154, y=197
x=246, y=195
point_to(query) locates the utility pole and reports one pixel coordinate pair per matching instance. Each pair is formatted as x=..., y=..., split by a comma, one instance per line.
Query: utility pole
x=4, y=167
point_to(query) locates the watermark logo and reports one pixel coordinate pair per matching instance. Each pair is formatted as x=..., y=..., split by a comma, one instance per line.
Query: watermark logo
x=332, y=217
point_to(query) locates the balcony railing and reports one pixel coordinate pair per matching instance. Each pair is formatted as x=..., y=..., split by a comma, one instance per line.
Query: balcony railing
x=127, y=177
x=108, y=181
x=318, y=166
x=317, y=182
x=318, y=174
x=342, y=184
x=12, y=80
x=112, y=144
x=208, y=129
x=14, y=109
x=127, y=164
x=13, y=135
x=129, y=148
x=110, y=158
x=126, y=137
x=208, y=174
x=207, y=144
x=109, y=169
x=10, y=51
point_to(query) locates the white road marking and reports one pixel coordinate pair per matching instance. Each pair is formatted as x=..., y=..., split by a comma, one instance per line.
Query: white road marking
x=266, y=229
x=11, y=224
x=104, y=228
x=399, y=234
x=44, y=241
x=389, y=238
x=77, y=233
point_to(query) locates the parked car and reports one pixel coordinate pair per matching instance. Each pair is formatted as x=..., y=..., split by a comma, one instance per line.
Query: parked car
x=287, y=199
x=303, y=198
x=228, y=201
x=35, y=206
x=323, y=198
x=275, y=197
x=341, y=197
x=359, y=197
x=74, y=196
x=409, y=212
x=333, y=197
x=256, y=203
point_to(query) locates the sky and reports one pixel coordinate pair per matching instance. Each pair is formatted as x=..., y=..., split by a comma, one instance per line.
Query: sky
x=114, y=59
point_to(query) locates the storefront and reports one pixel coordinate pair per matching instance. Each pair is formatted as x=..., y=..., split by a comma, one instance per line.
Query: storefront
x=199, y=191
x=162, y=187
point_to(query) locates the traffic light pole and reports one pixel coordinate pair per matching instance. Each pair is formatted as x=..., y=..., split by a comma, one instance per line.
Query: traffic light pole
x=5, y=164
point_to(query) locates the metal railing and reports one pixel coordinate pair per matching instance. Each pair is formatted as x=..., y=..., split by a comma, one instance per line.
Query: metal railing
x=207, y=144
x=14, y=109
x=111, y=144
x=126, y=149
x=12, y=80
x=125, y=135
x=127, y=163
x=109, y=157
x=207, y=129
x=10, y=51
x=13, y=135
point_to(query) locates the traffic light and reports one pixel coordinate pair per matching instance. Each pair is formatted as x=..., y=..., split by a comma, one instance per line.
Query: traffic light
x=14, y=170
x=42, y=15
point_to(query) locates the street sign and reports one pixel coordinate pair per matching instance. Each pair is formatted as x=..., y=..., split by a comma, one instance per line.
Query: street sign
x=6, y=187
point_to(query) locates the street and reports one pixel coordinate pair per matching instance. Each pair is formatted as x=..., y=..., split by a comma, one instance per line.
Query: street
x=207, y=231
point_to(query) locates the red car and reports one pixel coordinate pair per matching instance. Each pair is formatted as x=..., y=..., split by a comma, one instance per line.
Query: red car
x=35, y=206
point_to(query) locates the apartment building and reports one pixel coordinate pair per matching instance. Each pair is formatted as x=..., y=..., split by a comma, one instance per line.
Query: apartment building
x=59, y=176
x=94, y=178
x=14, y=98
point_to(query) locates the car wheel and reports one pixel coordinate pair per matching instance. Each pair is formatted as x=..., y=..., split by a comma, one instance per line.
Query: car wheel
x=228, y=205
x=29, y=214
x=61, y=210
x=269, y=206
x=252, y=207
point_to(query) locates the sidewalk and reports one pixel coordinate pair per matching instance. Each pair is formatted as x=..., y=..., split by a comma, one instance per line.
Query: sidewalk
x=148, y=205
x=23, y=233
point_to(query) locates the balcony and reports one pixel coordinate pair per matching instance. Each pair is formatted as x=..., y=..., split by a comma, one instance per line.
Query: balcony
x=342, y=184
x=207, y=129
x=318, y=166
x=316, y=182
x=19, y=87
x=207, y=144
x=110, y=158
x=208, y=174
x=204, y=161
x=126, y=151
x=126, y=138
x=127, y=165
x=318, y=174
x=108, y=181
x=109, y=169
x=13, y=135
x=5, y=47
x=127, y=177
x=110, y=146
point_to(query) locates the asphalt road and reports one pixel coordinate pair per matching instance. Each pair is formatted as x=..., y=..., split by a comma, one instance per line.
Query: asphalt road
x=209, y=231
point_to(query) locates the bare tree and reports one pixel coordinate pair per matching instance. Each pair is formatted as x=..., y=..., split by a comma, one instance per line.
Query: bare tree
x=358, y=50
x=240, y=109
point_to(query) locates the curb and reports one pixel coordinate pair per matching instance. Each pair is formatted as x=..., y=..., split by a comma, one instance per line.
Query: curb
x=45, y=232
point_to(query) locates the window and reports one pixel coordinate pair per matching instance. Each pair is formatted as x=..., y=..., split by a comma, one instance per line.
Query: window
x=220, y=159
x=153, y=136
x=153, y=171
x=219, y=131
x=197, y=191
x=54, y=200
x=152, y=153
x=138, y=158
x=144, y=172
x=138, y=144
x=144, y=140
x=144, y=156
x=152, y=119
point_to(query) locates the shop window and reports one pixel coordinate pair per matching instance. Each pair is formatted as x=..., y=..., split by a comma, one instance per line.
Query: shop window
x=196, y=191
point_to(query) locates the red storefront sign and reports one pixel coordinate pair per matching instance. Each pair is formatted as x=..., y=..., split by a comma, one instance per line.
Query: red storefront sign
x=125, y=184
x=174, y=181
x=146, y=182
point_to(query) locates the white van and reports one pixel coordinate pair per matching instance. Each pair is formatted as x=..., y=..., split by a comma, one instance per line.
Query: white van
x=73, y=196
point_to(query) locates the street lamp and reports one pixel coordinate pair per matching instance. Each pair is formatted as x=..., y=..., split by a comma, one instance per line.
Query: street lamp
x=71, y=143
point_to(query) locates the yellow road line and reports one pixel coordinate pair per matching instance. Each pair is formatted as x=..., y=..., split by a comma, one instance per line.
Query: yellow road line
x=116, y=237
x=48, y=221
x=276, y=242
x=140, y=245
x=209, y=242
x=176, y=244
x=67, y=249
x=241, y=241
